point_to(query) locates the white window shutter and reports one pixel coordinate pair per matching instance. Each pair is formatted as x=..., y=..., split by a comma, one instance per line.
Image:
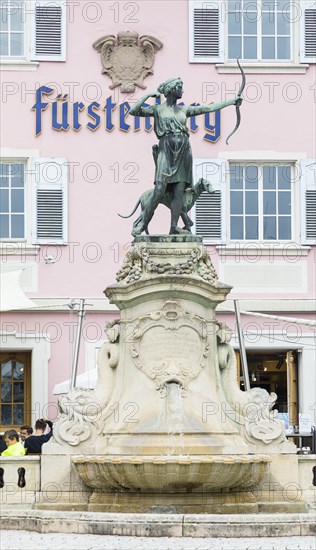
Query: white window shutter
x=49, y=31
x=206, y=40
x=49, y=178
x=308, y=31
x=209, y=214
x=308, y=201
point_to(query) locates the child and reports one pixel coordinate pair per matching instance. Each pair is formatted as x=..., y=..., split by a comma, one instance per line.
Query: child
x=14, y=447
x=25, y=432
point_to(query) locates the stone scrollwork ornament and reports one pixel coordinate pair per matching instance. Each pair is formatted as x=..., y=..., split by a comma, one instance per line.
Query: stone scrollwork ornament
x=126, y=61
x=261, y=420
x=82, y=411
x=79, y=417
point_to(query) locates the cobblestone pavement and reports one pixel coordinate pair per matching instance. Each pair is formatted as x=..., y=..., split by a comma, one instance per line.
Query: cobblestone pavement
x=16, y=540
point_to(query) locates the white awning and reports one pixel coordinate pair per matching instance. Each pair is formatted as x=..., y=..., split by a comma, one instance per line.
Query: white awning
x=295, y=320
x=87, y=379
x=12, y=297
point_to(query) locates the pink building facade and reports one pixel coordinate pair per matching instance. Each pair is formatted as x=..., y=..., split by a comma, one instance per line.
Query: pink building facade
x=73, y=158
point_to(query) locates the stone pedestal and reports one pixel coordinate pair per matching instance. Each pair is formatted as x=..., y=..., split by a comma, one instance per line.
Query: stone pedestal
x=168, y=373
x=167, y=416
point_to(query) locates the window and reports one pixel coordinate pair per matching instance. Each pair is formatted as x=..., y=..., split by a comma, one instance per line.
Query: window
x=15, y=378
x=33, y=199
x=259, y=30
x=12, y=201
x=12, y=28
x=265, y=33
x=32, y=31
x=260, y=202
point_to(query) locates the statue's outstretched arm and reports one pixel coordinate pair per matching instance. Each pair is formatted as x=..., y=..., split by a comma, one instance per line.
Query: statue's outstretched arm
x=194, y=110
x=138, y=110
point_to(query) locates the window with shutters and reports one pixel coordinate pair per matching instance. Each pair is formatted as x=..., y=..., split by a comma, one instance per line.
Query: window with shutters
x=264, y=33
x=31, y=32
x=12, y=201
x=257, y=201
x=33, y=200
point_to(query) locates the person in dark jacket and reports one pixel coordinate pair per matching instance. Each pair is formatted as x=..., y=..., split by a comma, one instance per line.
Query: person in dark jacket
x=33, y=444
x=3, y=445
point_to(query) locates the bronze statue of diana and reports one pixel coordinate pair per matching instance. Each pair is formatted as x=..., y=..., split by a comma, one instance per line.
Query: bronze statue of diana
x=173, y=155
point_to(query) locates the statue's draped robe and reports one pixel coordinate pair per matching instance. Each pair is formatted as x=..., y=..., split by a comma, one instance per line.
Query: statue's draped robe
x=174, y=156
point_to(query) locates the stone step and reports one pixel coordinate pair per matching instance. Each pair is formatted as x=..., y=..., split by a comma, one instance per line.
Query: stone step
x=160, y=525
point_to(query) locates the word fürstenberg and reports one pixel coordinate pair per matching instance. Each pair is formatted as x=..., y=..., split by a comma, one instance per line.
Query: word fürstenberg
x=66, y=115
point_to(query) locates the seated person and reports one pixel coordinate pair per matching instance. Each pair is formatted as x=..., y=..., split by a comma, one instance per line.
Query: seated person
x=25, y=432
x=33, y=444
x=14, y=447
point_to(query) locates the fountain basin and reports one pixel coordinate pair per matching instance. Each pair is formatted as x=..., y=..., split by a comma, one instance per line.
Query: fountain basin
x=110, y=473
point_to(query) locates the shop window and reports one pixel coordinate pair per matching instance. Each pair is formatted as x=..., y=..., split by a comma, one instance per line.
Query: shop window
x=15, y=398
x=275, y=372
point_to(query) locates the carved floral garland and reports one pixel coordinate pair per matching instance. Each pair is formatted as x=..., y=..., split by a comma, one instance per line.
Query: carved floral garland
x=138, y=259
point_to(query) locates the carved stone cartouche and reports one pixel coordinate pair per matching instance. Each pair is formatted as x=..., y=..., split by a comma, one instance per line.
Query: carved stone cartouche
x=126, y=61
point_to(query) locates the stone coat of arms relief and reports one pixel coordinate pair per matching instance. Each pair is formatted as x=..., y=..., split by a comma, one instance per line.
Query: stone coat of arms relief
x=127, y=60
x=183, y=337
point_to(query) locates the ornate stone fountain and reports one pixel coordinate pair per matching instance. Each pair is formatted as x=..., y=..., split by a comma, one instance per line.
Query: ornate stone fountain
x=167, y=421
x=167, y=427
